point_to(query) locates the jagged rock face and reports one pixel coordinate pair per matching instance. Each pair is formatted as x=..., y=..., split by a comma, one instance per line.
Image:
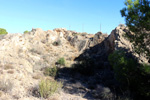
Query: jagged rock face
x=75, y=39
x=118, y=41
x=98, y=38
x=78, y=42
x=103, y=46
x=81, y=41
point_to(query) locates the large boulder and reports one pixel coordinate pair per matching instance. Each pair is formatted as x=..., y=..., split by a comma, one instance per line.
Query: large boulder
x=98, y=38
x=118, y=41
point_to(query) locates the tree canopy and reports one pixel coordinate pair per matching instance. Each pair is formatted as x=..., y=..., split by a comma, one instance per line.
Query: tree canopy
x=3, y=31
x=25, y=31
x=137, y=16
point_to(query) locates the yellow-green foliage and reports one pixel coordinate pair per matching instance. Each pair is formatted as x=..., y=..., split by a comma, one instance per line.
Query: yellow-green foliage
x=25, y=31
x=48, y=87
x=61, y=61
x=3, y=31
x=51, y=71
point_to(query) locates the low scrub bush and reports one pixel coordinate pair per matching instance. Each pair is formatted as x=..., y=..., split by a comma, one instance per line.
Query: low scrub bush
x=85, y=66
x=123, y=67
x=48, y=87
x=61, y=61
x=6, y=85
x=103, y=93
x=8, y=66
x=131, y=75
x=51, y=71
x=57, y=43
x=26, y=32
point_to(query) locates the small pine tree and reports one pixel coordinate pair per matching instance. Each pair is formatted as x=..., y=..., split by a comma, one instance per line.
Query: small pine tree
x=137, y=16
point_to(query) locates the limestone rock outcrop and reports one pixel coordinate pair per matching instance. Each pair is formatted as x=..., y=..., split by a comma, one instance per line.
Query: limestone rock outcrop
x=22, y=56
x=118, y=41
x=105, y=45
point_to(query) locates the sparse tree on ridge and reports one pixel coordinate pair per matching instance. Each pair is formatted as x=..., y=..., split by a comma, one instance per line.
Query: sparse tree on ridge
x=25, y=31
x=3, y=31
x=137, y=16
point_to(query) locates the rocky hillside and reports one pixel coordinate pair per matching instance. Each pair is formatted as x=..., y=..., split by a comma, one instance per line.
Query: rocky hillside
x=24, y=56
x=117, y=40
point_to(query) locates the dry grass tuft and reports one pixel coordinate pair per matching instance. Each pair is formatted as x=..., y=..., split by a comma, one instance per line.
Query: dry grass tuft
x=8, y=66
x=6, y=85
x=1, y=66
x=10, y=71
x=54, y=98
x=36, y=77
x=48, y=87
x=1, y=93
x=1, y=72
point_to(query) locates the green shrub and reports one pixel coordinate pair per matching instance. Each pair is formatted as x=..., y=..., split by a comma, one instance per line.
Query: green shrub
x=3, y=31
x=57, y=43
x=48, y=87
x=144, y=86
x=25, y=31
x=51, y=71
x=85, y=66
x=131, y=75
x=145, y=68
x=123, y=67
x=61, y=61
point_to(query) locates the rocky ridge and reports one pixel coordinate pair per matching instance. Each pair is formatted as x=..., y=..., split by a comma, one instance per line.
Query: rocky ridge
x=23, y=56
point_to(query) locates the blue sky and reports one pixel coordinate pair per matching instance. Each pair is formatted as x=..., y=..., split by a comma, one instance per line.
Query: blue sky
x=16, y=16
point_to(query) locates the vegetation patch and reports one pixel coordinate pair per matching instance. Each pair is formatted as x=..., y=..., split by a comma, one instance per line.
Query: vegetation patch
x=132, y=76
x=51, y=71
x=61, y=61
x=6, y=85
x=85, y=66
x=10, y=71
x=26, y=32
x=48, y=87
x=57, y=43
x=8, y=66
x=36, y=77
x=1, y=93
x=3, y=31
